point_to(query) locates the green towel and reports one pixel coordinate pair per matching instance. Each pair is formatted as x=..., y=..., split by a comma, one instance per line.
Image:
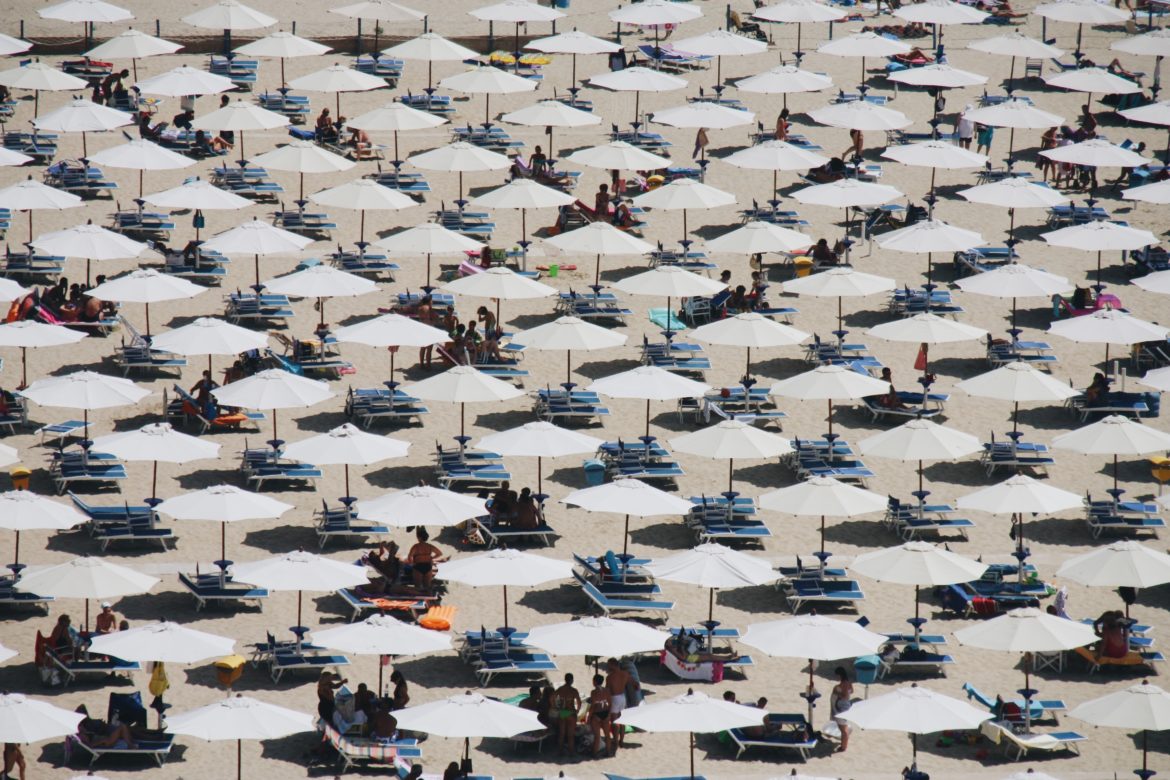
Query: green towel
x=660, y=317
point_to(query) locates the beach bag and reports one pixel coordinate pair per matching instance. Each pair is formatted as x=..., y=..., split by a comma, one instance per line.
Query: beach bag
x=920, y=361
x=158, y=680
x=983, y=605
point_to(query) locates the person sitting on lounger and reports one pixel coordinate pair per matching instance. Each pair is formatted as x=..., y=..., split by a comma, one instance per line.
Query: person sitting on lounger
x=101, y=734
x=400, y=696
x=623, y=215
x=527, y=512
x=384, y=560
x=822, y=254
x=210, y=146
x=384, y=726
x=150, y=133
x=914, y=57
x=326, y=131
x=422, y=559
x=107, y=620
x=503, y=507
x=1097, y=388
x=63, y=638
x=833, y=170
x=691, y=648
x=359, y=139
x=1111, y=627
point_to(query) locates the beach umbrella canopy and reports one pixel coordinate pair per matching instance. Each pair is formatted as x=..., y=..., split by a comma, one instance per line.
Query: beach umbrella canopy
x=846, y=193
x=500, y=283
x=209, y=336
x=82, y=116
x=273, y=389
x=692, y=713
x=839, y=282
x=10, y=291
x=146, y=286
x=488, y=80
x=229, y=15
x=927, y=328
x=156, y=442
x=8, y=455
x=758, y=237
x=1157, y=282
x=1017, y=496
x=540, y=440
x=283, y=45
x=28, y=334
x=142, y=155
x=391, y=331
x=731, y=439
x=573, y=42
x=197, y=194
x=1099, y=237
x=429, y=238
x=775, y=156
x=300, y=571
x=39, y=77
x=655, y=13
x=523, y=194
x=713, y=566
x=1159, y=378
x=783, y=80
x=89, y=241
x=1096, y=152
x=1143, y=707
x=516, y=11
x=363, y=195
x=942, y=13
x=828, y=383
x=649, y=383
x=720, y=44
x=703, y=113
x=601, y=637
x=1158, y=193
x=164, y=642
x=749, y=329
x=1121, y=564
x=921, y=440
x=24, y=720
x=382, y=635
x=460, y=157
x=85, y=578
x=1114, y=435
x=501, y=567
x=685, y=194
x=21, y=510
x=241, y=116
x=935, y=154
x=338, y=78
x=1014, y=192
x=256, y=238
x=638, y=79
x=938, y=75
x=1017, y=382
x=431, y=48
x=864, y=44
x=31, y=195
x=1081, y=12
x=930, y=236
x=599, y=238
x=671, y=281
x=85, y=390
x=463, y=385
x=1092, y=80
x=1014, y=114
x=321, y=282
x=380, y=10
x=222, y=504
x=1108, y=327
x=920, y=564
x=468, y=715
x=346, y=445
x=915, y=710
x=422, y=505
x=1015, y=280
x=7, y=654
x=798, y=11
x=619, y=155
x=1015, y=44
x=303, y=157
x=239, y=718
x=133, y=45
x=568, y=334
x=549, y=114
x=395, y=117
x=823, y=496
x=185, y=80
x=628, y=496
x=9, y=158
x=860, y=115
x=10, y=45
x=1155, y=43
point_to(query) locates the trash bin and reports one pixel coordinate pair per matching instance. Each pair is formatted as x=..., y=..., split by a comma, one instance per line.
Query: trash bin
x=553, y=270
x=594, y=471
x=20, y=476
x=229, y=668
x=866, y=669
x=803, y=266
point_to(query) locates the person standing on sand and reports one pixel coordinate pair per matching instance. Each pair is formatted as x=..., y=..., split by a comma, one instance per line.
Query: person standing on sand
x=566, y=705
x=616, y=679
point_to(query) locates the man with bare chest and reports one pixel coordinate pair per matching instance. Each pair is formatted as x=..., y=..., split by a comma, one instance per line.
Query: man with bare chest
x=616, y=680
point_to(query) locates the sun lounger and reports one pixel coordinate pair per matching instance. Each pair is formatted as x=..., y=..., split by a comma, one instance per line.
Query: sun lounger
x=339, y=523
x=136, y=529
x=359, y=606
x=611, y=605
x=353, y=750
x=1041, y=709
x=913, y=658
x=214, y=589
x=157, y=748
x=794, y=735
x=492, y=664
x=1133, y=658
x=293, y=661
x=493, y=533
x=72, y=668
x=9, y=596
x=811, y=591
x=1102, y=523
x=1016, y=746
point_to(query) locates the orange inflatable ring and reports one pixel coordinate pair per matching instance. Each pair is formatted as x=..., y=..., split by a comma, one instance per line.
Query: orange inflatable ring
x=435, y=623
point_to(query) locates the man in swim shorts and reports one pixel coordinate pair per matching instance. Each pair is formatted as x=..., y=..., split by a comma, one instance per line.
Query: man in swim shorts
x=616, y=679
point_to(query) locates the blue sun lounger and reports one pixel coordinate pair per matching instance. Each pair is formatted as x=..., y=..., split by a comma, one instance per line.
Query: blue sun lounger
x=212, y=588
x=793, y=735
x=615, y=604
x=72, y=668
x=293, y=661
x=817, y=591
x=156, y=748
x=493, y=663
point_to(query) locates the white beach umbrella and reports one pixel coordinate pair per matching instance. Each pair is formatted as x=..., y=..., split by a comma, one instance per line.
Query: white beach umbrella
x=239, y=718
x=256, y=238
x=704, y=114
x=938, y=75
x=783, y=80
x=934, y=154
x=814, y=637
x=840, y=282
x=1157, y=193
x=422, y=505
x=24, y=720
x=655, y=13
x=391, y=331
x=222, y=504
x=321, y=282
x=1015, y=44
x=1100, y=237
x=1155, y=43
x=629, y=497
x=1121, y=564
x=731, y=439
x=1017, y=496
x=941, y=13
x=8, y=456
x=88, y=241
x=749, y=329
x=379, y=11
x=599, y=238
x=466, y=715
x=1014, y=192
x=927, y=328
x=567, y=334
x=156, y=442
x=84, y=390
x=1098, y=153
x=9, y=158
x=517, y=12
x=282, y=45
x=431, y=48
x=338, y=78
x=1158, y=378
x=638, y=79
x=346, y=445
x=601, y=637
x=146, y=286
x=487, y=80
x=549, y=114
x=685, y=194
x=649, y=383
x=1015, y=281
x=930, y=236
x=713, y=566
x=1108, y=326
x=860, y=115
x=273, y=389
x=363, y=195
x=229, y=15
x=185, y=80
x=864, y=44
x=31, y=195
x=499, y=283
x=1157, y=282
x=463, y=385
x=523, y=194
x=303, y=157
x=21, y=510
x=691, y=713
x=720, y=44
x=28, y=334
x=85, y=578
x=82, y=116
x=1014, y=114
x=240, y=116
x=133, y=45
x=209, y=336
x=382, y=635
x=1030, y=774
x=501, y=567
x=142, y=155
x=164, y=642
x=300, y=571
x=1080, y=13
x=915, y=710
x=395, y=117
x=1016, y=382
x=921, y=440
x=799, y=12
x=1092, y=80
x=1113, y=435
x=619, y=155
x=670, y=280
x=847, y=193
x=7, y=654
x=1142, y=707
x=10, y=45
x=920, y=564
x=429, y=238
x=199, y=195
x=540, y=440
x=775, y=156
x=759, y=237
x=824, y=497
x=460, y=157
x=828, y=383
x=10, y=291
x=573, y=43
x=39, y=77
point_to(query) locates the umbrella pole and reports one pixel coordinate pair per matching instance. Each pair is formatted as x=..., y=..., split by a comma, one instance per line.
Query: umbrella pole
x=637, y=101
x=596, y=271
x=668, y=318
x=16, y=553
x=154, y=481
x=747, y=372
x=362, y=229
x=1012, y=227
x=930, y=268
x=140, y=183
x=730, y=473
x=839, y=310
x=239, y=759
x=822, y=540
x=487, y=109
x=1098, y=268
x=684, y=238
x=920, y=476
x=1016, y=418
x=23, y=368
x=396, y=157
x=320, y=309
x=223, y=541
x=256, y=262
x=1115, y=471
x=428, y=271
x=568, y=365
x=347, y=480
x=692, y=739
x=539, y=474
x=830, y=405
x=1011, y=75
x=462, y=409
x=85, y=626
x=300, y=597
x=147, y=320
x=626, y=536
x=647, y=416
x=505, y=605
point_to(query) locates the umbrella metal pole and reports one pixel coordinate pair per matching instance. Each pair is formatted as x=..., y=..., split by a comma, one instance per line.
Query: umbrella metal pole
x=626, y=537
x=539, y=474
x=1098, y=268
x=347, y=480
x=929, y=268
x=1115, y=471
x=830, y=405
x=154, y=481
x=139, y=181
x=747, y=371
x=1011, y=75
x=239, y=759
x=223, y=541
x=822, y=541
x=256, y=262
x=147, y=319
x=596, y=272
x=668, y=318
x=692, y=739
x=16, y=553
x=647, y=416
x=568, y=365
x=23, y=368
x=505, y=605
x=920, y=488
x=462, y=409
x=1016, y=418
x=839, y=301
x=730, y=476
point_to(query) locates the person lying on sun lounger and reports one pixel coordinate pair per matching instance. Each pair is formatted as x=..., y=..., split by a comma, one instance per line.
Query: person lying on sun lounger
x=691, y=647
x=102, y=734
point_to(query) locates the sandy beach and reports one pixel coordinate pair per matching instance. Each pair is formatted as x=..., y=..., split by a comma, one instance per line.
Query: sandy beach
x=1107, y=753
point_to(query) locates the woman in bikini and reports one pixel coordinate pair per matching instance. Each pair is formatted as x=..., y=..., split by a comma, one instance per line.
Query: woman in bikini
x=566, y=705
x=599, y=701
x=422, y=559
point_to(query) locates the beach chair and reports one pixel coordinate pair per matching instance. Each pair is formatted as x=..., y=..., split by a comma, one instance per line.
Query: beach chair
x=157, y=747
x=339, y=523
x=1042, y=709
x=1017, y=745
x=612, y=605
x=785, y=732
x=842, y=593
x=220, y=589
x=413, y=604
x=294, y=660
x=71, y=668
x=355, y=750
x=492, y=664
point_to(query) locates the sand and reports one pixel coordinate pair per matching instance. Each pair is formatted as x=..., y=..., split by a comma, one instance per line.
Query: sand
x=871, y=755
